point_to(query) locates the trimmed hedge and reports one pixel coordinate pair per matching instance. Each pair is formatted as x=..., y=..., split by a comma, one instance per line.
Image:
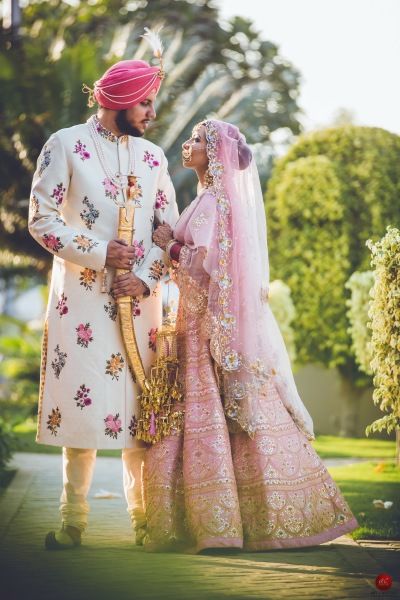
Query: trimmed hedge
x=333, y=190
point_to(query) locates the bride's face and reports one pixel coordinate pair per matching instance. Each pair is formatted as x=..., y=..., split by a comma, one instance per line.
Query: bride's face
x=194, y=151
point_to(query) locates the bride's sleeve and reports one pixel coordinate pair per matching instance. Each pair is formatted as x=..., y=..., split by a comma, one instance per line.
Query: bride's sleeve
x=199, y=256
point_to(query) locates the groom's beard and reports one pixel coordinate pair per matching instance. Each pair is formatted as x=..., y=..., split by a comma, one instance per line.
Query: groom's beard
x=124, y=126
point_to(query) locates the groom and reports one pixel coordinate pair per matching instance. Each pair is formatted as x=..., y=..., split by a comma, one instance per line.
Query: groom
x=88, y=394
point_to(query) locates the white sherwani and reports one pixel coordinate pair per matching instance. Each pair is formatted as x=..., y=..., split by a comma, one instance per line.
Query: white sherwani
x=87, y=395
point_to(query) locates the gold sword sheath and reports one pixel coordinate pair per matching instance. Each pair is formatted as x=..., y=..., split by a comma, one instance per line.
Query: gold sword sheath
x=125, y=232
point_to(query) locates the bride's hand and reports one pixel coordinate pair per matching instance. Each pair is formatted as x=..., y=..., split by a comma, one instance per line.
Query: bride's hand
x=162, y=235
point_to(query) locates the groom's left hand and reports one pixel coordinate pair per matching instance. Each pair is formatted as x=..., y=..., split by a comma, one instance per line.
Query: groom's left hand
x=129, y=285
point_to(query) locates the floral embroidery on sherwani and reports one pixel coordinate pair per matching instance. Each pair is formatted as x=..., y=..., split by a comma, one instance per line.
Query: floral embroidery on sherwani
x=59, y=362
x=115, y=365
x=81, y=150
x=45, y=161
x=82, y=397
x=54, y=421
x=113, y=425
x=89, y=214
x=133, y=426
x=150, y=160
x=153, y=338
x=135, y=307
x=156, y=270
x=87, y=278
x=110, y=189
x=52, y=242
x=111, y=309
x=139, y=251
x=58, y=193
x=84, y=335
x=161, y=200
x=62, y=305
x=84, y=243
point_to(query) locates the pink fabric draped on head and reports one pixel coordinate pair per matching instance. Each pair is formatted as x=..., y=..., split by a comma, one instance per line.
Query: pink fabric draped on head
x=245, y=340
x=127, y=83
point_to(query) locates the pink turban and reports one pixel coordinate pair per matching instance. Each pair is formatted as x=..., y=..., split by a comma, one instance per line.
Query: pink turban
x=126, y=83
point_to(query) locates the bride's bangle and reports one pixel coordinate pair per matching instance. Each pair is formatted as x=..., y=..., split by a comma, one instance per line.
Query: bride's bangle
x=169, y=246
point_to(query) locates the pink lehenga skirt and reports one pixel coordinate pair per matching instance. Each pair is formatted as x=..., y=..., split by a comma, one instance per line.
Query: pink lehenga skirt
x=208, y=488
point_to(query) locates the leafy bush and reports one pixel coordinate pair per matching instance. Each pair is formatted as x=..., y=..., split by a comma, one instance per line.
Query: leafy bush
x=20, y=348
x=360, y=285
x=282, y=306
x=385, y=324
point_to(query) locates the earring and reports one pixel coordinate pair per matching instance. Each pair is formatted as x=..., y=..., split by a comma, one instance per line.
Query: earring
x=208, y=179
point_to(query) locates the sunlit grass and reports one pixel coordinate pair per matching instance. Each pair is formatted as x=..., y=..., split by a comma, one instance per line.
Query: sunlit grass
x=331, y=446
x=361, y=484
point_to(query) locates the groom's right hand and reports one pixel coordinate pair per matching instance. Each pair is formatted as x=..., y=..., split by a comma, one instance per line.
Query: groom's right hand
x=120, y=255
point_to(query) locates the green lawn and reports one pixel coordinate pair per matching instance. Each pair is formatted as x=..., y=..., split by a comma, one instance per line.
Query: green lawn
x=361, y=484
x=327, y=446
x=330, y=446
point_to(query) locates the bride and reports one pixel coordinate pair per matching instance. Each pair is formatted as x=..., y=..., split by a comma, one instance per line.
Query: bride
x=240, y=472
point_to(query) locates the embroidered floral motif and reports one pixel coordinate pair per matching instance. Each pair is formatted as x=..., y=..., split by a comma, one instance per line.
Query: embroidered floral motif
x=33, y=209
x=89, y=214
x=153, y=338
x=115, y=365
x=156, y=270
x=80, y=149
x=82, y=397
x=139, y=251
x=45, y=161
x=54, y=421
x=59, y=362
x=52, y=242
x=133, y=426
x=200, y=220
x=84, y=335
x=161, y=200
x=87, y=278
x=58, y=193
x=113, y=425
x=110, y=189
x=150, y=160
x=135, y=307
x=105, y=133
x=112, y=310
x=62, y=305
x=84, y=243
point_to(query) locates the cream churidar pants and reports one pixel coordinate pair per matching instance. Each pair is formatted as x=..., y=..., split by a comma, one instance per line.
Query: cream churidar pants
x=78, y=467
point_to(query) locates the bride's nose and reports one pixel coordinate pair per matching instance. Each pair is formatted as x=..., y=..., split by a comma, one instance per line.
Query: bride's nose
x=185, y=145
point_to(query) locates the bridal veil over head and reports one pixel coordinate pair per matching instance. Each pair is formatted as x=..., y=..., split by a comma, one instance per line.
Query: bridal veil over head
x=245, y=340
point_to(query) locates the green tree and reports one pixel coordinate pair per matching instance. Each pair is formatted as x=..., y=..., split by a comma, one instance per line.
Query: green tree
x=334, y=189
x=385, y=324
x=230, y=73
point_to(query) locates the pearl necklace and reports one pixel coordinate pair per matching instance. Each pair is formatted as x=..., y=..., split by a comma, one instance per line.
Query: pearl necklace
x=119, y=181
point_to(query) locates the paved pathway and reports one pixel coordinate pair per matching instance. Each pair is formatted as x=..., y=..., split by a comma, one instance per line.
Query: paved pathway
x=109, y=567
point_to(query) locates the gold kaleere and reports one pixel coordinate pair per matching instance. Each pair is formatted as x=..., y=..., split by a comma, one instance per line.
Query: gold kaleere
x=161, y=414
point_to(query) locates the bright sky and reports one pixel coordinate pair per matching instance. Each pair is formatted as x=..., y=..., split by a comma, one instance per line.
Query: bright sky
x=348, y=52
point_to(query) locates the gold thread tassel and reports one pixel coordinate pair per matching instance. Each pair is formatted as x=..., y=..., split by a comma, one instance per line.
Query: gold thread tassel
x=160, y=415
